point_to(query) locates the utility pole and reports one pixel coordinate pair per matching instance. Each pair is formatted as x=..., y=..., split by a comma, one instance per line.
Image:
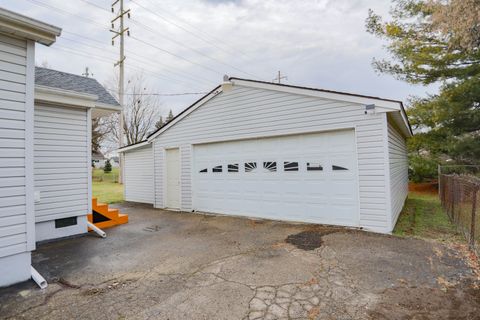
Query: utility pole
x=279, y=78
x=120, y=32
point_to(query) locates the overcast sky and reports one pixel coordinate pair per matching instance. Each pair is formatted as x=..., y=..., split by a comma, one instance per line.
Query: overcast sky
x=193, y=43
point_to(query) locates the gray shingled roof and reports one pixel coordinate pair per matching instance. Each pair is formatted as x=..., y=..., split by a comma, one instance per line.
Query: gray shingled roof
x=67, y=81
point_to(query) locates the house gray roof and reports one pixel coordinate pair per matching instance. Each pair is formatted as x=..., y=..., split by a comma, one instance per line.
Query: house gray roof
x=67, y=81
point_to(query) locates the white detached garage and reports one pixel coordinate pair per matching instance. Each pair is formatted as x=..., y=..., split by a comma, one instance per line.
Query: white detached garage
x=281, y=152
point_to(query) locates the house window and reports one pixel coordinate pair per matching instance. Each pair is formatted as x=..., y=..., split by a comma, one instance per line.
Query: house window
x=250, y=166
x=338, y=168
x=314, y=166
x=290, y=166
x=203, y=170
x=270, y=166
x=233, y=167
x=217, y=168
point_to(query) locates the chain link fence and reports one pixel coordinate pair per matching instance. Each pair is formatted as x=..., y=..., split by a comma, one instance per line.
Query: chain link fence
x=460, y=197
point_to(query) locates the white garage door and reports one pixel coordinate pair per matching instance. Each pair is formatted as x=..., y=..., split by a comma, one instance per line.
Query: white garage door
x=310, y=177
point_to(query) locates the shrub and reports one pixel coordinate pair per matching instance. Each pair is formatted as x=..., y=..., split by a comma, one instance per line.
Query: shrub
x=108, y=167
x=422, y=169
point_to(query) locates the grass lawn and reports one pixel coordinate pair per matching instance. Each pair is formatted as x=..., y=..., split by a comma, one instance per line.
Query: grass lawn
x=99, y=175
x=423, y=217
x=104, y=186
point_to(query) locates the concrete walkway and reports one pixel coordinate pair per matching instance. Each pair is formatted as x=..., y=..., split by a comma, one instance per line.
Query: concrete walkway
x=166, y=265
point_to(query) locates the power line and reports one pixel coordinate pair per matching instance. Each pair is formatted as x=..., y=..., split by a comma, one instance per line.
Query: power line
x=177, y=73
x=111, y=59
x=184, y=29
x=50, y=7
x=173, y=40
x=76, y=51
x=175, y=55
x=190, y=48
x=145, y=42
x=161, y=94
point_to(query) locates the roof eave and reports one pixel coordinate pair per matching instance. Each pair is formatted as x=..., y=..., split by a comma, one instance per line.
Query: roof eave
x=134, y=146
x=217, y=90
x=62, y=97
x=387, y=105
x=320, y=93
x=24, y=27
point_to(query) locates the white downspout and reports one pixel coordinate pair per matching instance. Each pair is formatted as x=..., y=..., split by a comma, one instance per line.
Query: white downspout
x=99, y=231
x=42, y=283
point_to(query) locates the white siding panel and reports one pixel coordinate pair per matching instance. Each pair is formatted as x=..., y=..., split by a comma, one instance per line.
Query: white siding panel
x=139, y=175
x=398, y=162
x=13, y=218
x=61, y=162
x=244, y=113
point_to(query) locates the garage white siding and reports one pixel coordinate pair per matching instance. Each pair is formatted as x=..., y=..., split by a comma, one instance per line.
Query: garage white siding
x=139, y=175
x=246, y=112
x=13, y=131
x=398, y=162
x=61, y=162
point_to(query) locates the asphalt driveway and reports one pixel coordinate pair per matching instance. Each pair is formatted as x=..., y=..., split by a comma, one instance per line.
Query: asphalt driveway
x=165, y=265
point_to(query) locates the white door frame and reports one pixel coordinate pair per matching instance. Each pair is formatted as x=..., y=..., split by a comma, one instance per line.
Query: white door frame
x=166, y=180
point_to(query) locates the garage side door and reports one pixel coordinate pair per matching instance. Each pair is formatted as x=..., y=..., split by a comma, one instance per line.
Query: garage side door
x=139, y=175
x=310, y=178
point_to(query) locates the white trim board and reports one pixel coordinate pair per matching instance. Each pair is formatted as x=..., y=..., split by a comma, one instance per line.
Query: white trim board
x=65, y=98
x=29, y=142
x=25, y=27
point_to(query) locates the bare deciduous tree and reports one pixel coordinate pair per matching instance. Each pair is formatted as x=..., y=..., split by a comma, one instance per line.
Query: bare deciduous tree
x=100, y=132
x=141, y=112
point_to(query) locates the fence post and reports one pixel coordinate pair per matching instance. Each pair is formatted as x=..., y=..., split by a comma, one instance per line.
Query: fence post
x=439, y=174
x=452, y=206
x=474, y=212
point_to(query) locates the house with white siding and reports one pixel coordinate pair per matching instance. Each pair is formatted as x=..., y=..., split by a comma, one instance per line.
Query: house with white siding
x=18, y=36
x=274, y=151
x=65, y=105
x=45, y=145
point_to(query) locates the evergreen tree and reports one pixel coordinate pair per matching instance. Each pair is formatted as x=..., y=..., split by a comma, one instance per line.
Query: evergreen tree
x=169, y=117
x=108, y=166
x=437, y=41
x=159, y=123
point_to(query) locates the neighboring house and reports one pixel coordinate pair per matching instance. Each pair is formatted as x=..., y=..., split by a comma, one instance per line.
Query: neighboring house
x=115, y=161
x=274, y=151
x=18, y=35
x=98, y=159
x=64, y=107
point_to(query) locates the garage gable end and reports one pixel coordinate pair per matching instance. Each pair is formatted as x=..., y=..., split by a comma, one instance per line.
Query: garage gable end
x=365, y=103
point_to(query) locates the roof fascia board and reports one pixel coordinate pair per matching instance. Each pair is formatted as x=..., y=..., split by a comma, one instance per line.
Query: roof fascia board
x=187, y=111
x=134, y=146
x=111, y=107
x=398, y=118
x=64, y=97
x=319, y=94
x=24, y=27
x=382, y=104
